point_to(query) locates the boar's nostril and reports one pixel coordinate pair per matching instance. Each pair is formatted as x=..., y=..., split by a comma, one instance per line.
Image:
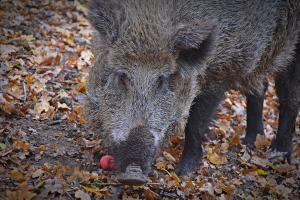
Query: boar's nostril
x=132, y=176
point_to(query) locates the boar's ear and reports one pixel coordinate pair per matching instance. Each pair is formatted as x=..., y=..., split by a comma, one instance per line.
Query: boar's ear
x=192, y=43
x=106, y=16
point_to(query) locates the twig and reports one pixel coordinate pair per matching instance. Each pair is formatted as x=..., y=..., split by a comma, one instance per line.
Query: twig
x=54, y=122
x=120, y=184
x=6, y=153
x=69, y=195
x=153, y=184
x=109, y=184
x=24, y=91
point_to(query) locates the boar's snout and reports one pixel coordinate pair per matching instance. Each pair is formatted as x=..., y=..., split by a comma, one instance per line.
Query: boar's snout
x=138, y=148
x=135, y=154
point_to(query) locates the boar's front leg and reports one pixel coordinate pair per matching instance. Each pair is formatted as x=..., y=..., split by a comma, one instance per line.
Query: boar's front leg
x=255, y=102
x=200, y=113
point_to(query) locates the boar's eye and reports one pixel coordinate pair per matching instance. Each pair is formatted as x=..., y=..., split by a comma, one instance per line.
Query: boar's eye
x=122, y=79
x=169, y=82
x=161, y=81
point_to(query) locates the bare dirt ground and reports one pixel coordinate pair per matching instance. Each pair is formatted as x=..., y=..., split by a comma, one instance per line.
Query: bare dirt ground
x=48, y=152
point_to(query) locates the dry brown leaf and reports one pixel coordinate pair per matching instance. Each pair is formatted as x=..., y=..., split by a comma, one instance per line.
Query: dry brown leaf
x=23, y=193
x=7, y=107
x=21, y=145
x=262, y=142
x=216, y=158
x=150, y=195
x=81, y=88
x=47, y=62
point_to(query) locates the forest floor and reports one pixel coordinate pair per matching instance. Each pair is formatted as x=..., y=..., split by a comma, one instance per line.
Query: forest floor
x=48, y=152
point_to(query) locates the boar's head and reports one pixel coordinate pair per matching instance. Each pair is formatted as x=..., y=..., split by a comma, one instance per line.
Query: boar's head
x=151, y=58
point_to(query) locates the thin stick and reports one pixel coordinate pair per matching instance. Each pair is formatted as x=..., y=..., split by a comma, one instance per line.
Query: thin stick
x=54, y=122
x=6, y=153
x=24, y=91
x=69, y=195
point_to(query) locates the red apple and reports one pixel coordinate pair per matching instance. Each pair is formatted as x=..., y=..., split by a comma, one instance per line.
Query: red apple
x=108, y=163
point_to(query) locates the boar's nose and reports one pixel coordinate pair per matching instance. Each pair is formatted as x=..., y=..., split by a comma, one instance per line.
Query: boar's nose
x=137, y=152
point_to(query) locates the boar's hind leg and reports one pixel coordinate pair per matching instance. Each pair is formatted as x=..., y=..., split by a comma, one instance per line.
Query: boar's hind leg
x=288, y=91
x=255, y=102
x=200, y=114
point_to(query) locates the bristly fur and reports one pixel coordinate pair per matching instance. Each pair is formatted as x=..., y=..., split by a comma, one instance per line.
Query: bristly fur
x=155, y=56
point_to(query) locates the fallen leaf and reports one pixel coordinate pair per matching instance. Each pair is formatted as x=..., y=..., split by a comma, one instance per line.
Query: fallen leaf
x=41, y=107
x=168, y=157
x=23, y=193
x=262, y=162
x=16, y=175
x=216, y=158
x=256, y=171
x=2, y=146
x=160, y=165
x=37, y=173
x=150, y=195
x=79, y=194
x=95, y=191
x=175, y=177
x=42, y=148
x=262, y=142
x=63, y=106
x=21, y=145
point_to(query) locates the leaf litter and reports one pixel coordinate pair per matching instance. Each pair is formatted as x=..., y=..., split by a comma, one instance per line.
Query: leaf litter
x=47, y=151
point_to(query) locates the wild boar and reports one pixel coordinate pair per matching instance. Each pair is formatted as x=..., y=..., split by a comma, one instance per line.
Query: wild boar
x=161, y=62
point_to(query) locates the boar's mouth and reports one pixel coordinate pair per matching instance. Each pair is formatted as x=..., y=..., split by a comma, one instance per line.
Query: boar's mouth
x=132, y=176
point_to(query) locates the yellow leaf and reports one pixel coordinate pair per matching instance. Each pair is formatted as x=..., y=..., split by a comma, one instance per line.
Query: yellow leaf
x=96, y=191
x=160, y=165
x=15, y=174
x=175, y=177
x=261, y=172
x=28, y=38
x=42, y=148
x=215, y=158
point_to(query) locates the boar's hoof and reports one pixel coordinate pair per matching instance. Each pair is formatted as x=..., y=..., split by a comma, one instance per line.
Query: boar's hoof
x=132, y=176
